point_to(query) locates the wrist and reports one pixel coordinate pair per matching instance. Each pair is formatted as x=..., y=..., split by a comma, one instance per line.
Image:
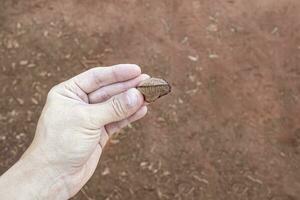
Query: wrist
x=47, y=179
x=33, y=179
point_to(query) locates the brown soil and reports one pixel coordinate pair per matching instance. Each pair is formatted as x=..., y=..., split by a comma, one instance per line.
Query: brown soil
x=229, y=130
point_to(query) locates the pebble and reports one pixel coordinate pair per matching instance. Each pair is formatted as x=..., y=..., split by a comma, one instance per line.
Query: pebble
x=46, y=33
x=23, y=62
x=105, y=172
x=180, y=101
x=34, y=101
x=19, y=25
x=212, y=28
x=193, y=58
x=20, y=101
x=213, y=56
x=143, y=164
x=12, y=44
x=32, y=65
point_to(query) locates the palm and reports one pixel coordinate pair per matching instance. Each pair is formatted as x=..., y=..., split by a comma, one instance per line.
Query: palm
x=76, y=109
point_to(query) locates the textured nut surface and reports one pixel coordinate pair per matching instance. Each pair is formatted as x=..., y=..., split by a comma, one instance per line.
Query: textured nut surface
x=154, y=88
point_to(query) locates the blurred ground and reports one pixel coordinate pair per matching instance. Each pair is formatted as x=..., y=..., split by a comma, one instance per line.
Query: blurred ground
x=230, y=129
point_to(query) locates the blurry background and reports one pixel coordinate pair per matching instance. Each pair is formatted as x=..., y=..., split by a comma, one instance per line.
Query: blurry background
x=231, y=127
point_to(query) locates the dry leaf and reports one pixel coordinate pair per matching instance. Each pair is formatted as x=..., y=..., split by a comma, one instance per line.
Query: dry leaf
x=154, y=88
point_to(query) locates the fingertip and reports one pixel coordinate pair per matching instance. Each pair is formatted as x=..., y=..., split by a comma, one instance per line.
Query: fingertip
x=139, y=114
x=135, y=98
x=144, y=110
x=144, y=77
x=121, y=106
x=136, y=68
x=132, y=68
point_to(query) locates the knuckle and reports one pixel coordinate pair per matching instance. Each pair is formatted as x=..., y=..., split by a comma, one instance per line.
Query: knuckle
x=104, y=95
x=119, y=108
x=95, y=76
x=114, y=73
x=53, y=91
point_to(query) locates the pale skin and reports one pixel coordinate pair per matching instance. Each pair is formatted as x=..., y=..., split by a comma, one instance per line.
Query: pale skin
x=79, y=117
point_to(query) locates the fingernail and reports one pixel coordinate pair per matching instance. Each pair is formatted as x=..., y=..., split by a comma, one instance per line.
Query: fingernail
x=133, y=97
x=145, y=76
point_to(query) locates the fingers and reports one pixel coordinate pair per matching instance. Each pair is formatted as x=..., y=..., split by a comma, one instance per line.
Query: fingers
x=117, y=126
x=95, y=78
x=119, y=107
x=114, y=127
x=109, y=91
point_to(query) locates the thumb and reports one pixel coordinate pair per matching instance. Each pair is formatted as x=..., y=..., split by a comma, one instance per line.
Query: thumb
x=117, y=108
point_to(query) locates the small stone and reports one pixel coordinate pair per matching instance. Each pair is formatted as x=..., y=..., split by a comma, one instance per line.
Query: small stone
x=123, y=174
x=46, y=33
x=43, y=73
x=20, y=136
x=212, y=28
x=32, y=65
x=11, y=43
x=19, y=25
x=59, y=34
x=34, y=101
x=180, y=101
x=199, y=83
x=213, y=56
x=166, y=173
x=184, y=40
x=275, y=30
x=200, y=179
x=193, y=58
x=16, y=44
x=192, y=91
x=214, y=19
x=68, y=56
x=3, y=137
x=130, y=126
x=29, y=116
x=13, y=113
x=20, y=101
x=108, y=50
x=105, y=172
x=143, y=164
x=282, y=154
x=199, y=69
x=114, y=141
x=161, y=119
x=23, y=62
x=192, y=78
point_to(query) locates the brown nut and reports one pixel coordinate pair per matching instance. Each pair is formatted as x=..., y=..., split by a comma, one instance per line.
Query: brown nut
x=154, y=88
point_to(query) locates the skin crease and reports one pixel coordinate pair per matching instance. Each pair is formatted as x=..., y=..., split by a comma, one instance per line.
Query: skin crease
x=78, y=119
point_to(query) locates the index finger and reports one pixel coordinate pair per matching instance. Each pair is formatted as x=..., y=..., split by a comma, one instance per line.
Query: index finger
x=98, y=77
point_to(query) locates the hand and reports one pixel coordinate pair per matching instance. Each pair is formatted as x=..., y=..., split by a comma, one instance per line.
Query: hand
x=78, y=119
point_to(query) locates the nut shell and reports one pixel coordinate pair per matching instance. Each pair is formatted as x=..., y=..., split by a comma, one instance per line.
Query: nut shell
x=154, y=88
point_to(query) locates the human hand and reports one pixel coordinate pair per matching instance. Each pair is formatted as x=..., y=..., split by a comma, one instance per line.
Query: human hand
x=79, y=117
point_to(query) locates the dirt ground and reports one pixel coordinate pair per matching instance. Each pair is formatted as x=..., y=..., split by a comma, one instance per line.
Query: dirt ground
x=229, y=130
